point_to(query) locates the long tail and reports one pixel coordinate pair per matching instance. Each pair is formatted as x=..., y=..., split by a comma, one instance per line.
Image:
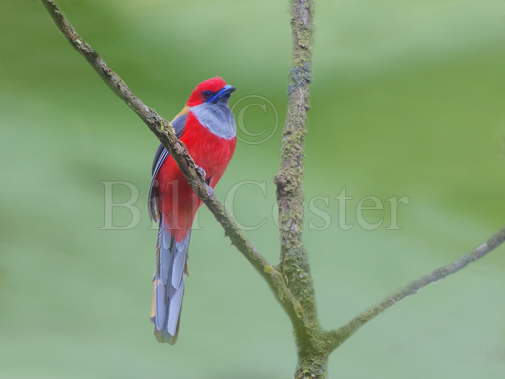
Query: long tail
x=168, y=284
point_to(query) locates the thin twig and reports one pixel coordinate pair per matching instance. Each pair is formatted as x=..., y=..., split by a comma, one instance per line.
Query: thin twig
x=340, y=335
x=165, y=133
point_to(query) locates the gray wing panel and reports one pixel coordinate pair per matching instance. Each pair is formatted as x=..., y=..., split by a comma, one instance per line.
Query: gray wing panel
x=159, y=158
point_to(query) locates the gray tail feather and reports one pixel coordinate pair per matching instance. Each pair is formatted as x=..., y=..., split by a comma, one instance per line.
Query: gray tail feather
x=168, y=284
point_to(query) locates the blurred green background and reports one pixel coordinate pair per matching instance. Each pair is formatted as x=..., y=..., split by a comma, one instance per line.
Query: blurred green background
x=408, y=101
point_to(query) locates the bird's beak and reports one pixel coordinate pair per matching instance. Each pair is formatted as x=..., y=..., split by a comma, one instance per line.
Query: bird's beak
x=223, y=94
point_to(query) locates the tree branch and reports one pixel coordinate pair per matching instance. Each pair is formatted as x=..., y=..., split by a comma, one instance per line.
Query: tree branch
x=289, y=180
x=312, y=359
x=292, y=282
x=165, y=133
x=338, y=336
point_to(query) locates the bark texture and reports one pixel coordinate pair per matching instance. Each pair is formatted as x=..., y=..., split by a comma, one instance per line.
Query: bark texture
x=291, y=280
x=294, y=265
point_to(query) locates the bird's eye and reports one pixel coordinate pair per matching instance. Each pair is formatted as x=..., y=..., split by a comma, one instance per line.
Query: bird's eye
x=207, y=94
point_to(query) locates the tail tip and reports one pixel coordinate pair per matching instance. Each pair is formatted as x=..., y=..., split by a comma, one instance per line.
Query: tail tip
x=164, y=337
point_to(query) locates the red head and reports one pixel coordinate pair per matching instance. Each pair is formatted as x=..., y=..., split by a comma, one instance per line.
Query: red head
x=212, y=90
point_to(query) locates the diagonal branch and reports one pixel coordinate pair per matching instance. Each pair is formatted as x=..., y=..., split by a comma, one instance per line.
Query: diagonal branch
x=165, y=133
x=340, y=335
x=292, y=284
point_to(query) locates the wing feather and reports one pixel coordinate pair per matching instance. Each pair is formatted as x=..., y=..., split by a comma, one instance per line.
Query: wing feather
x=160, y=156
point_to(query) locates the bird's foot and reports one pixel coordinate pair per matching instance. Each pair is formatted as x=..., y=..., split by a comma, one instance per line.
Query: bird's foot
x=203, y=175
x=201, y=172
x=210, y=190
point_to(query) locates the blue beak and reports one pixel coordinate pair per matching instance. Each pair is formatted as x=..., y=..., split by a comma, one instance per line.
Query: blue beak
x=223, y=94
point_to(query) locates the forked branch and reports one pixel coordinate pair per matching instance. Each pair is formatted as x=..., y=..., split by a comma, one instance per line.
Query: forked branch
x=292, y=281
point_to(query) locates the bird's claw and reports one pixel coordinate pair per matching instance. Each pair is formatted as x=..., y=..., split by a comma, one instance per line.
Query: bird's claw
x=210, y=190
x=201, y=172
x=203, y=175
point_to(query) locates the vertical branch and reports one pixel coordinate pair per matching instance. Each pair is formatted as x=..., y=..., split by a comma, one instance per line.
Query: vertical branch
x=293, y=285
x=289, y=180
x=312, y=347
x=312, y=343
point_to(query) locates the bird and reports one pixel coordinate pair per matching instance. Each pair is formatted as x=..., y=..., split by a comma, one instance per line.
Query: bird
x=207, y=128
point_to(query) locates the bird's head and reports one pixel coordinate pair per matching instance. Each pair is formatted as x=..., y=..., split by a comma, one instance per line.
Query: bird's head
x=213, y=90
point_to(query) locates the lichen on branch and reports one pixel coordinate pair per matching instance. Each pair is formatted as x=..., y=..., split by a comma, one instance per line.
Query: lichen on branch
x=291, y=280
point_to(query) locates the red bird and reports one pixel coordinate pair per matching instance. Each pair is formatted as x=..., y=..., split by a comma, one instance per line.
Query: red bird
x=207, y=127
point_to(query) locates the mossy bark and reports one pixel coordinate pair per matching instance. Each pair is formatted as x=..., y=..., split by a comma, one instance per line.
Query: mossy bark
x=312, y=362
x=312, y=366
x=291, y=281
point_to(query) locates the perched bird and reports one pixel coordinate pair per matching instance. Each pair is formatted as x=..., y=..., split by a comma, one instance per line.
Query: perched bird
x=207, y=127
